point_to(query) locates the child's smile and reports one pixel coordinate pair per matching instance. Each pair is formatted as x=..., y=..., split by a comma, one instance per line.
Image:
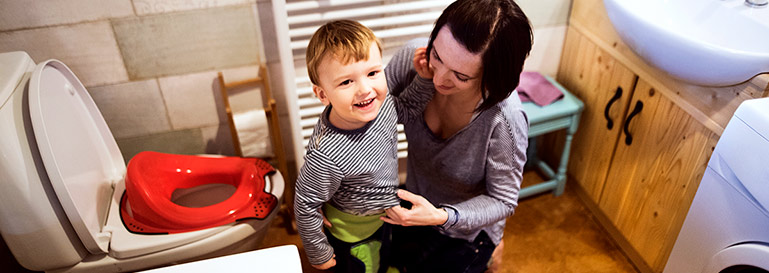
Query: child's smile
x=365, y=103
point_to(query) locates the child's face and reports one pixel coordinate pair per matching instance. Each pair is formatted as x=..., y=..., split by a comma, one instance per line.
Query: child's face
x=355, y=91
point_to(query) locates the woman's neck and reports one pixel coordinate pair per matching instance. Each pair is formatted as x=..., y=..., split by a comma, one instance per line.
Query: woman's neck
x=461, y=102
x=446, y=115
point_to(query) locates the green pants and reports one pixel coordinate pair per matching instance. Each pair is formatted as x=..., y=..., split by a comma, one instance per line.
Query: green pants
x=361, y=243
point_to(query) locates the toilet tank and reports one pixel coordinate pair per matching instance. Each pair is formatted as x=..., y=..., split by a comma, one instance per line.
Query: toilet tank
x=32, y=222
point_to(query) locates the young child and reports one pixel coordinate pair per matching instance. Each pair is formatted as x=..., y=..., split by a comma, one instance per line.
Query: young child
x=350, y=169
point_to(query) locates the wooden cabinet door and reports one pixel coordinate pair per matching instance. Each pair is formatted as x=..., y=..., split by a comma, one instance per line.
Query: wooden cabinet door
x=653, y=178
x=595, y=78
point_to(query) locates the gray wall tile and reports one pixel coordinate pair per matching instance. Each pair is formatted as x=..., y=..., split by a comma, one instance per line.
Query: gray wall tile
x=29, y=14
x=240, y=73
x=144, y=7
x=267, y=31
x=546, y=12
x=545, y=55
x=185, y=42
x=188, y=142
x=132, y=109
x=246, y=97
x=193, y=100
x=89, y=49
x=218, y=140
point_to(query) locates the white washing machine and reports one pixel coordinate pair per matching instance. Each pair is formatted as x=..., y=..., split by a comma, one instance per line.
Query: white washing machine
x=727, y=228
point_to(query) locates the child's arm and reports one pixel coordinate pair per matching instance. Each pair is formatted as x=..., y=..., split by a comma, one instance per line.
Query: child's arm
x=319, y=178
x=410, y=81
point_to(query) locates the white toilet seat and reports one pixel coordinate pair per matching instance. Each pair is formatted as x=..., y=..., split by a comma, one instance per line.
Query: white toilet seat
x=81, y=157
x=125, y=244
x=165, y=249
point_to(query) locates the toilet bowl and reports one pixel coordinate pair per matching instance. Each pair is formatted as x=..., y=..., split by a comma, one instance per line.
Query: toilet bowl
x=62, y=180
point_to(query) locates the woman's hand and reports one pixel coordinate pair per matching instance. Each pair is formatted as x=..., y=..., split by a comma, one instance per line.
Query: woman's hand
x=421, y=65
x=422, y=212
x=331, y=263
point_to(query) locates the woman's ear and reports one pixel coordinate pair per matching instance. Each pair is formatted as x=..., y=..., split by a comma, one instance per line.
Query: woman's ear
x=320, y=94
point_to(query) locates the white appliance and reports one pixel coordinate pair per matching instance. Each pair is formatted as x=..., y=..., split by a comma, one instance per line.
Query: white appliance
x=727, y=228
x=62, y=176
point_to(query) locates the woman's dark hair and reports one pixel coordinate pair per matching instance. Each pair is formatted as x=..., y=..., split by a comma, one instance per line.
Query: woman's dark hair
x=500, y=31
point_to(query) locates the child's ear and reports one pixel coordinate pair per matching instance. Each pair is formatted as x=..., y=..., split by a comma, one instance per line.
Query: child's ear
x=320, y=94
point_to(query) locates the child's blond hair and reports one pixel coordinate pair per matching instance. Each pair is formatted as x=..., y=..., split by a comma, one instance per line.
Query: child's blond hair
x=347, y=40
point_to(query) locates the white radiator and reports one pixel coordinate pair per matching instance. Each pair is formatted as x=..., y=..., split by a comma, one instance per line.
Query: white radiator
x=393, y=21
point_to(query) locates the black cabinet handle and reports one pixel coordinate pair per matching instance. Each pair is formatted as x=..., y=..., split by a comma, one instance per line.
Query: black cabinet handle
x=638, y=107
x=617, y=95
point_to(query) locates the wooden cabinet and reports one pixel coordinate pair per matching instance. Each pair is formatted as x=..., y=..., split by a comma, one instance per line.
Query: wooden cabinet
x=637, y=155
x=605, y=86
x=653, y=179
x=641, y=191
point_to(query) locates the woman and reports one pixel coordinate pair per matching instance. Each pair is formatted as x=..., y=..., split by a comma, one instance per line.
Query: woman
x=466, y=154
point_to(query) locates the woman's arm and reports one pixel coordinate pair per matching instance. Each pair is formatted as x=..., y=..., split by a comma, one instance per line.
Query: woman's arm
x=503, y=175
x=421, y=213
x=400, y=70
x=502, y=178
x=504, y=171
x=410, y=81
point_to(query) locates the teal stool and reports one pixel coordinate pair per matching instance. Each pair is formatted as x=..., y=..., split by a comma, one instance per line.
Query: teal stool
x=562, y=114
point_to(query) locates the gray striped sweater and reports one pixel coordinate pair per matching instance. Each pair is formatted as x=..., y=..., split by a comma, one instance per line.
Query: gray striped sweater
x=476, y=173
x=356, y=171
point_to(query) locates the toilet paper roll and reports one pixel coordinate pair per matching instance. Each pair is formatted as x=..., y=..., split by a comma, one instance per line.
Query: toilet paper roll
x=253, y=133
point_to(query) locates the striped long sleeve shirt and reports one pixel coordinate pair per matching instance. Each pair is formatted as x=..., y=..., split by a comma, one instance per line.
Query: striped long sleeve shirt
x=356, y=171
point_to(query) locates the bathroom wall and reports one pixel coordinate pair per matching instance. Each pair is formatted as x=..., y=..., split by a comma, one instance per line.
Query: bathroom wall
x=549, y=19
x=150, y=65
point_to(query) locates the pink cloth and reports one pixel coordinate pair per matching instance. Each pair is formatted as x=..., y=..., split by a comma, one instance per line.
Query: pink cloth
x=536, y=88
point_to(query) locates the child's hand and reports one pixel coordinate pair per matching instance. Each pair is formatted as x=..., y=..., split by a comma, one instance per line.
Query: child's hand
x=421, y=65
x=331, y=263
x=422, y=212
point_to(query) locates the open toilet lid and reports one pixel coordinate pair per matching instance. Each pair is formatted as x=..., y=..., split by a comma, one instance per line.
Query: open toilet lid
x=78, y=150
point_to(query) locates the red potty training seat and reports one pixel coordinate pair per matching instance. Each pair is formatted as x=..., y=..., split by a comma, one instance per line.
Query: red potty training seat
x=152, y=177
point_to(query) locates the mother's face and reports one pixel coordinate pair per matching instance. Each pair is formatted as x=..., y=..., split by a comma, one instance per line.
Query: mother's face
x=456, y=70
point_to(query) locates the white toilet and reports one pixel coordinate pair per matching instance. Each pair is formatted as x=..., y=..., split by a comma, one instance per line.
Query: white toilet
x=62, y=177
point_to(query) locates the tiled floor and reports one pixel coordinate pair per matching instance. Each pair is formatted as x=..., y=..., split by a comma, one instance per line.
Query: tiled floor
x=547, y=234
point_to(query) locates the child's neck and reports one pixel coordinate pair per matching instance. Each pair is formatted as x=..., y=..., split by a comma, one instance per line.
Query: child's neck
x=337, y=121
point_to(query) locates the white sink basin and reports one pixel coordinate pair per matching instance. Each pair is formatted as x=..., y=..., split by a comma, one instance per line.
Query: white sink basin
x=704, y=42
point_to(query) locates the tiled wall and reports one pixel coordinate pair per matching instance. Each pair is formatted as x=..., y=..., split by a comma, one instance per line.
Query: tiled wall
x=150, y=65
x=549, y=19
